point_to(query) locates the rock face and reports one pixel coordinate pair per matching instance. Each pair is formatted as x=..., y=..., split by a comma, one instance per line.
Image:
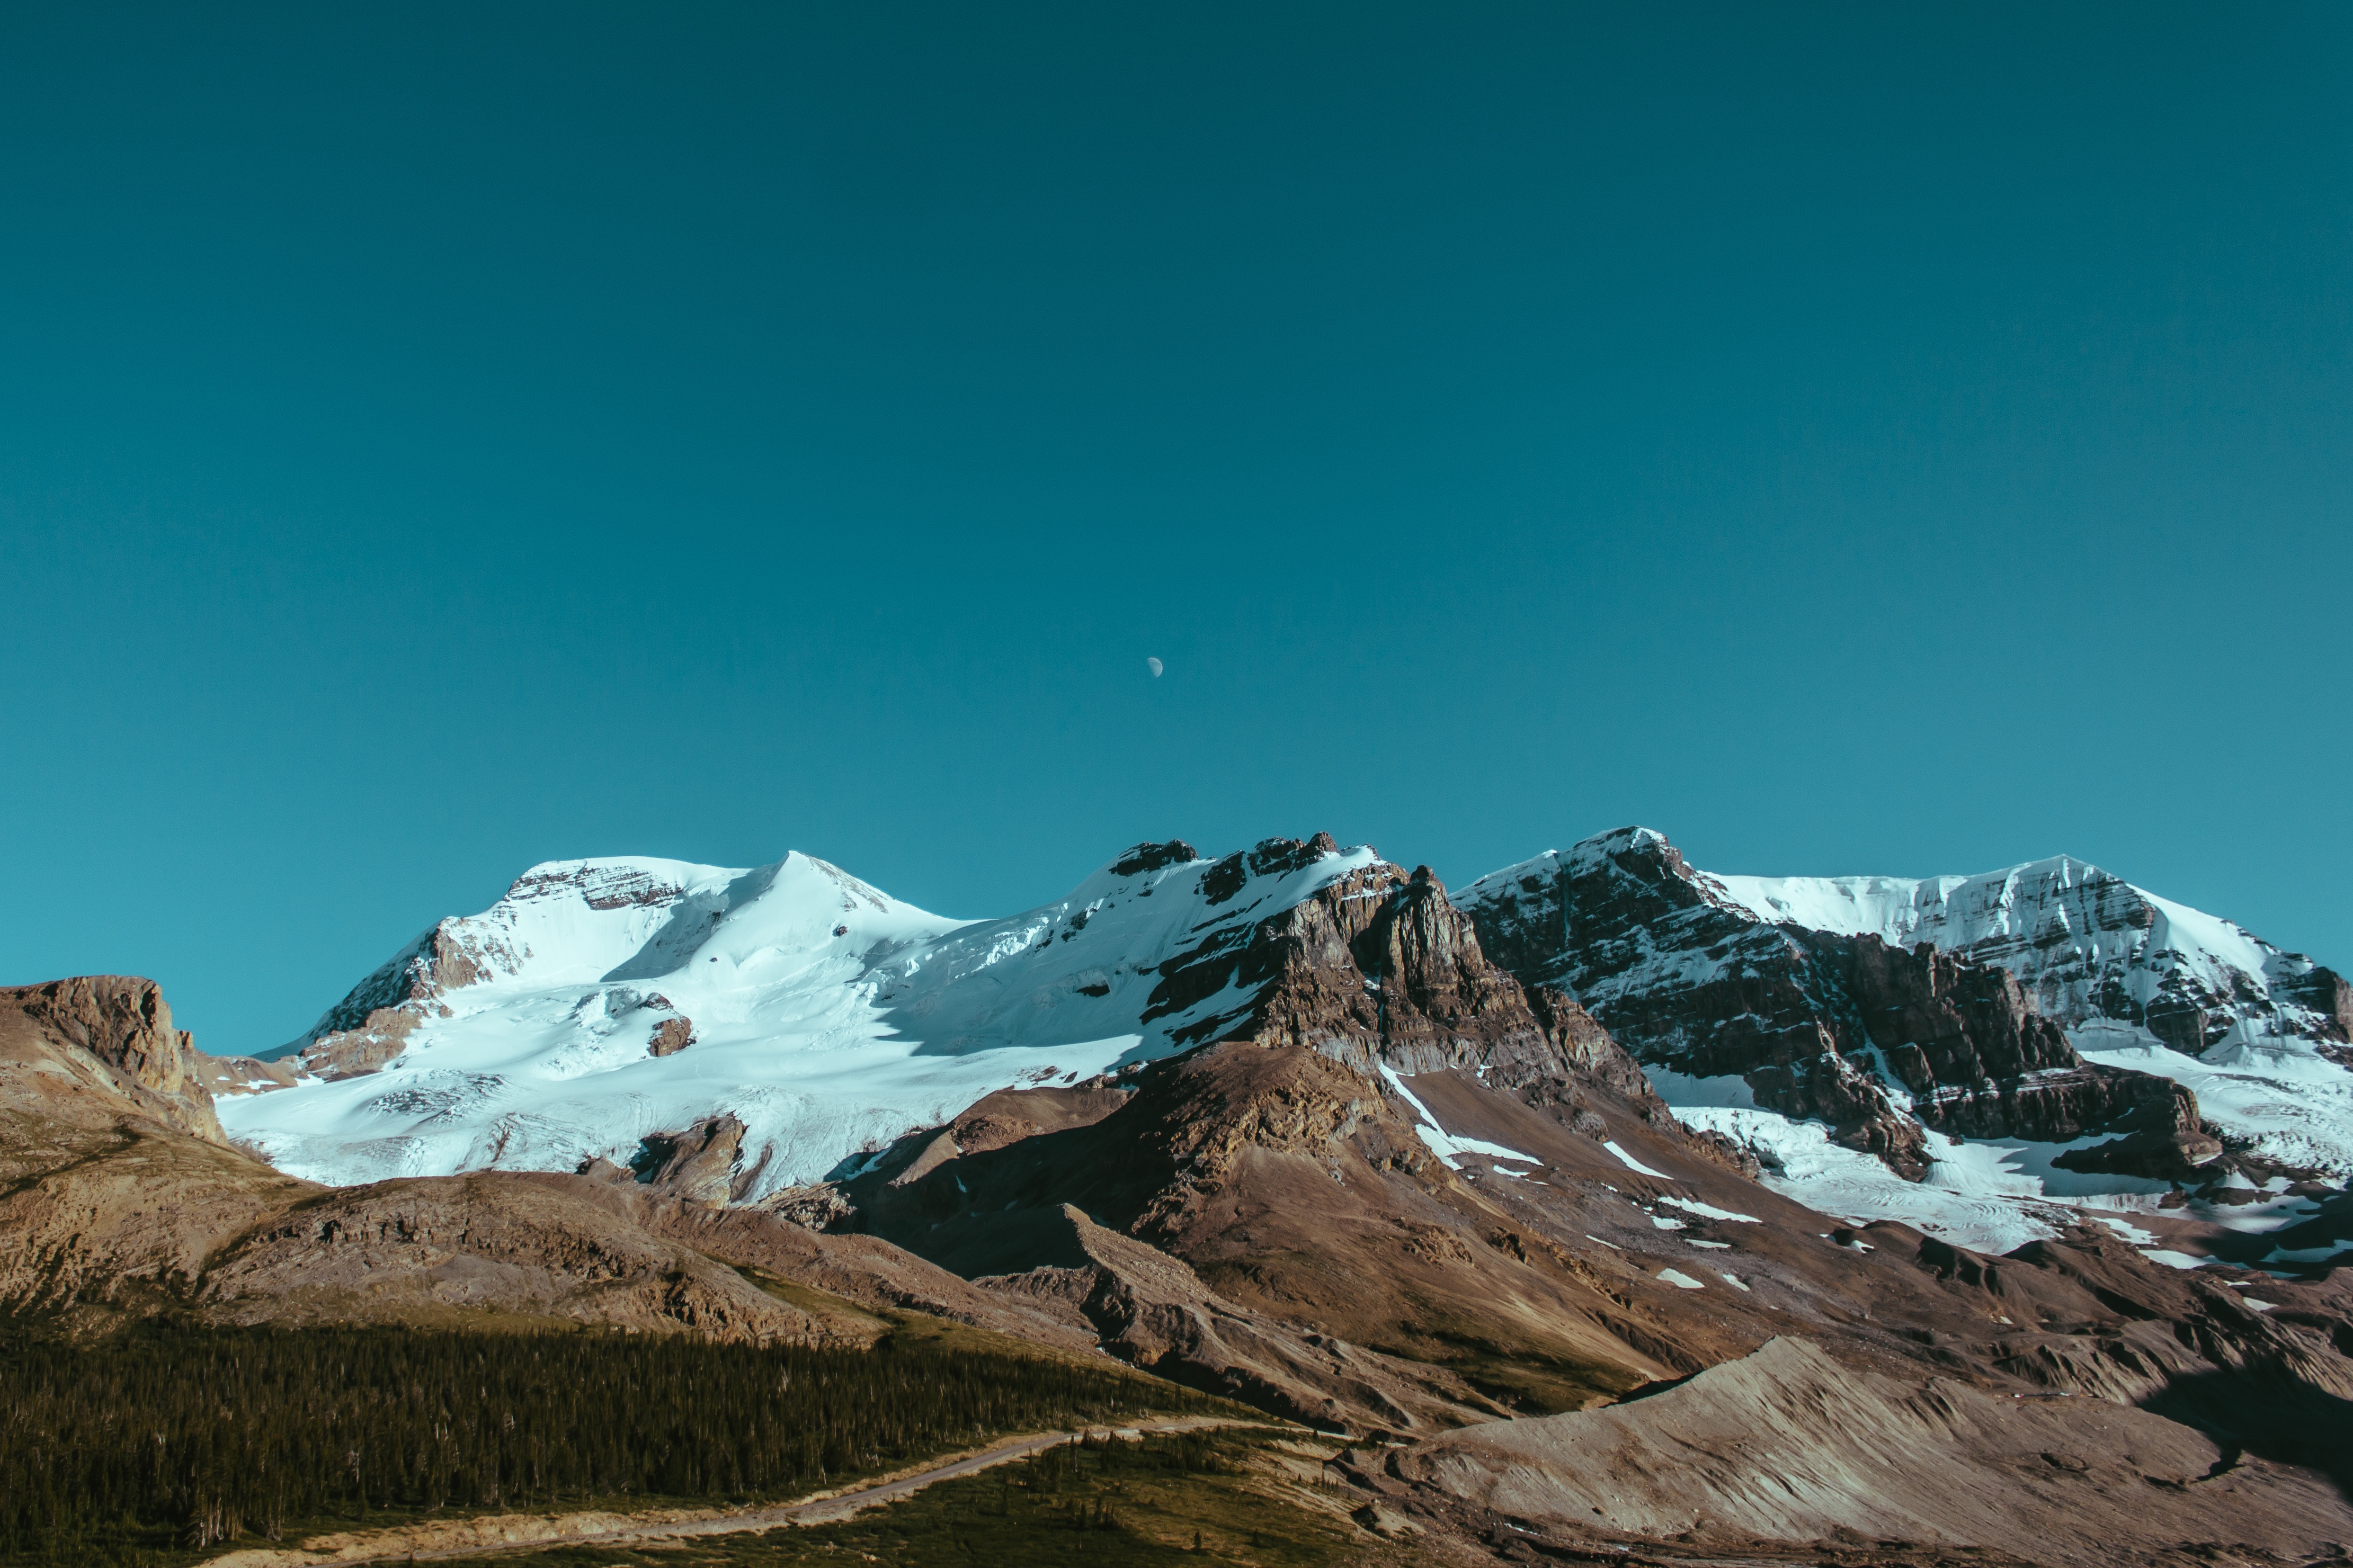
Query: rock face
x=114, y=1033
x=701, y=1163
x=671, y=1036
x=2091, y=948
x=368, y=1026
x=1877, y=1040
x=1375, y=968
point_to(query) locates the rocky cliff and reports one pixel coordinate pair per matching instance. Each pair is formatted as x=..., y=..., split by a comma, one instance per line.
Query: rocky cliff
x=1379, y=969
x=2091, y=948
x=1375, y=967
x=107, y=1040
x=1879, y=1041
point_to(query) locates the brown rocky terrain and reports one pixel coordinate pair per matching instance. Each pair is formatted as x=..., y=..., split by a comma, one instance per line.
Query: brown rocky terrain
x=1286, y=1189
x=117, y=1180
x=78, y=1050
x=1928, y=1363
x=1788, y=1449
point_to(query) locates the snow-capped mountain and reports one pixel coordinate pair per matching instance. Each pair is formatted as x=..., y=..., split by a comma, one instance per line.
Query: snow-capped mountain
x=602, y=1002
x=2092, y=948
x=2010, y=1054
x=1805, y=996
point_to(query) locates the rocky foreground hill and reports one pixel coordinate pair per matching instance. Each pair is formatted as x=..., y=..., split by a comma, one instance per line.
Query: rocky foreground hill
x=1291, y=1125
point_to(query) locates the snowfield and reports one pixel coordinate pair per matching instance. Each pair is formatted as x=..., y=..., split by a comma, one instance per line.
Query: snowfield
x=827, y=1017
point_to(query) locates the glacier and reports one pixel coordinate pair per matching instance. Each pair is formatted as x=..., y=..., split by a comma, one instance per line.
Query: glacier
x=827, y=1017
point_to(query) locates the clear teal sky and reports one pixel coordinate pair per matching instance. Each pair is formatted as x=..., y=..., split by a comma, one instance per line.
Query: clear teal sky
x=434, y=439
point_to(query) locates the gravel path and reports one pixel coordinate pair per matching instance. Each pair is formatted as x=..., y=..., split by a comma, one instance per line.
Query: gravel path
x=500, y=1534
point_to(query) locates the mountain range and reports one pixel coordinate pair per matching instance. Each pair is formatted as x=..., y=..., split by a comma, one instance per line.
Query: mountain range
x=1589, y=1157
x=2045, y=1032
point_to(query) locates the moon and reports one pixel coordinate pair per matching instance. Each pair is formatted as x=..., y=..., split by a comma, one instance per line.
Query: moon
x=1154, y=665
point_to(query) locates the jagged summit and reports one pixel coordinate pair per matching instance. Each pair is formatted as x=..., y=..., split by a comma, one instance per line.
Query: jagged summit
x=1881, y=1043
x=2093, y=949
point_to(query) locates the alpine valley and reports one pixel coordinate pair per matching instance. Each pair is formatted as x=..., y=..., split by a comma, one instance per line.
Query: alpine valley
x=1600, y=1209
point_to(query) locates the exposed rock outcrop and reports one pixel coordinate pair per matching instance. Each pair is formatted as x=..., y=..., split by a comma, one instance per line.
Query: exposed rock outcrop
x=1876, y=1040
x=671, y=1036
x=1380, y=970
x=372, y=1024
x=701, y=1163
x=448, y=1249
x=109, y=1035
x=2091, y=948
x=1375, y=968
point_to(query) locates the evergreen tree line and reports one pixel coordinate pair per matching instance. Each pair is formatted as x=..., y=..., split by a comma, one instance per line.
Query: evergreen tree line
x=188, y=1438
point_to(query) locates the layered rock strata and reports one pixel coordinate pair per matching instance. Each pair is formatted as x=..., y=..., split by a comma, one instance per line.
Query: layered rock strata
x=1877, y=1040
x=111, y=1034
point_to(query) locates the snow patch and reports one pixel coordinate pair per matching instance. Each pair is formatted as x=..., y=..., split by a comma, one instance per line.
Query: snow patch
x=1630, y=1162
x=1446, y=1145
x=2173, y=1258
x=1692, y=1206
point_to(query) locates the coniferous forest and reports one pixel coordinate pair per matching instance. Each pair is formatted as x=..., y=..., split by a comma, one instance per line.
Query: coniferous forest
x=164, y=1441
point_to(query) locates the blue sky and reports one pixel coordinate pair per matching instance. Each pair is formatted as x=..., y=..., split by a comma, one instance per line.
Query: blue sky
x=434, y=439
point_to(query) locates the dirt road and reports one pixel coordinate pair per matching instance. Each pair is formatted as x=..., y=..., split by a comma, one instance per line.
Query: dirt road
x=526, y=1533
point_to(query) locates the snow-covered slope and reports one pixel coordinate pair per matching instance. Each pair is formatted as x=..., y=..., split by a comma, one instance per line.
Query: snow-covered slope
x=602, y=1001
x=1698, y=972
x=2138, y=981
x=2092, y=947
